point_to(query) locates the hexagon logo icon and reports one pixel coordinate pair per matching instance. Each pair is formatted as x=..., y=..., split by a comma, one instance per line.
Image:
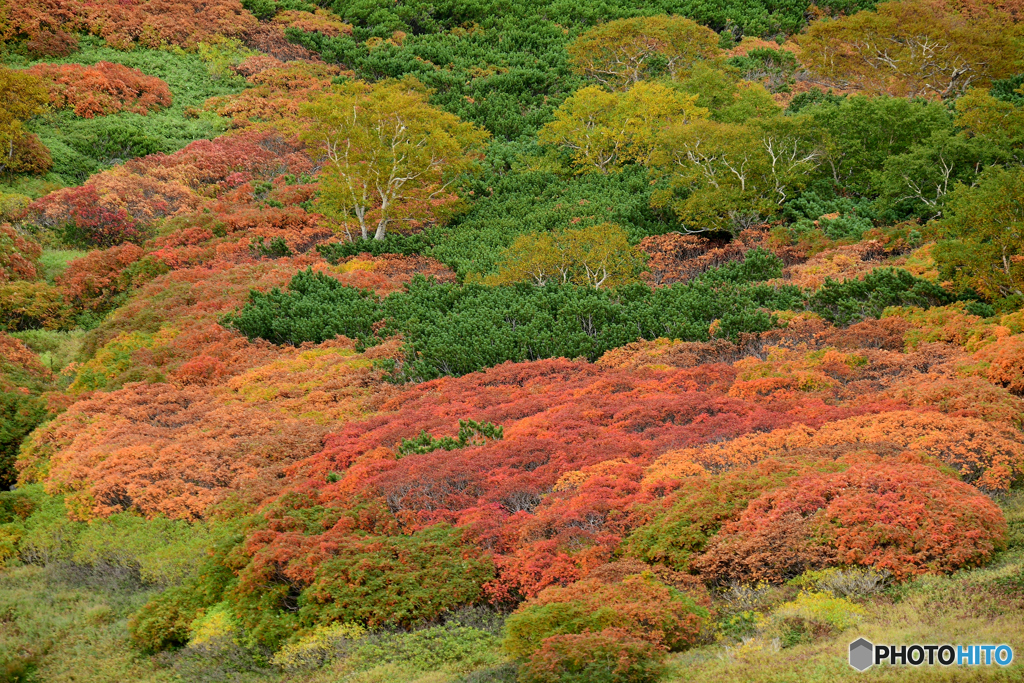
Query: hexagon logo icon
x=862, y=654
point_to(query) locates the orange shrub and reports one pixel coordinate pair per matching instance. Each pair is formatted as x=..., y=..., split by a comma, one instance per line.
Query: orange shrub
x=1002, y=363
x=159, y=449
x=102, y=88
x=988, y=455
x=19, y=255
x=319, y=21
x=279, y=89
x=852, y=261
x=907, y=519
x=93, y=280
x=125, y=24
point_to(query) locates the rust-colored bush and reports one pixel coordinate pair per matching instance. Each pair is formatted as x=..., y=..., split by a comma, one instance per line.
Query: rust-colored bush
x=102, y=88
x=907, y=519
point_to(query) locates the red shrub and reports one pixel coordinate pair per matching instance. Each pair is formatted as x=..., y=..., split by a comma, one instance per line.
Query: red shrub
x=48, y=43
x=95, y=279
x=90, y=220
x=19, y=255
x=908, y=519
x=609, y=656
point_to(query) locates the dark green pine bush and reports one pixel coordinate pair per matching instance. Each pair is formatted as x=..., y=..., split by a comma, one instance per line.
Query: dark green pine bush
x=844, y=303
x=456, y=329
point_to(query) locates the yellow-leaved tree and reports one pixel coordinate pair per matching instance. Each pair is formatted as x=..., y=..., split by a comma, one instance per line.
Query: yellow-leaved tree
x=620, y=53
x=914, y=48
x=598, y=256
x=606, y=129
x=729, y=175
x=389, y=157
x=24, y=96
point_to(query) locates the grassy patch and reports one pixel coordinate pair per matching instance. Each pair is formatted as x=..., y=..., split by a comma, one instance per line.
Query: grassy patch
x=55, y=261
x=61, y=625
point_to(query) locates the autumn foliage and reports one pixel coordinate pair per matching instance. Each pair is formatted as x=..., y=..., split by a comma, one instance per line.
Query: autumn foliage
x=123, y=25
x=102, y=88
x=19, y=255
x=903, y=519
x=407, y=326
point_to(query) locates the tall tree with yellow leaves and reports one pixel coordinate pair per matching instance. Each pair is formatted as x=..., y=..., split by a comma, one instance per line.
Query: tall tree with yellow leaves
x=389, y=156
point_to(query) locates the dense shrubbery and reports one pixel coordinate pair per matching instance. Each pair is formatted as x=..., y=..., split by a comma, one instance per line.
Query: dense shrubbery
x=84, y=146
x=103, y=88
x=458, y=329
x=308, y=453
x=854, y=300
x=904, y=519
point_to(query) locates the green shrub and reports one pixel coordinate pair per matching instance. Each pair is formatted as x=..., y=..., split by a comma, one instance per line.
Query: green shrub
x=844, y=303
x=471, y=433
x=315, y=308
x=452, y=330
x=161, y=550
x=165, y=621
x=277, y=248
x=394, y=243
x=48, y=535
x=396, y=580
x=19, y=415
x=451, y=648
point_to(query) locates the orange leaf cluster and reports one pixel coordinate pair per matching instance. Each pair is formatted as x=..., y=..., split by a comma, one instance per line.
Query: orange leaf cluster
x=279, y=89
x=102, y=88
x=903, y=518
x=19, y=255
x=386, y=273
x=92, y=281
x=318, y=21
x=852, y=261
x=675, y=257
x=176, y=450
x=124, y=24
x=989, y=455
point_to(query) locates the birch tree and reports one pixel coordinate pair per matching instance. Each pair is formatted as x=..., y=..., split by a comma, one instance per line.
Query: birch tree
x=389, y=157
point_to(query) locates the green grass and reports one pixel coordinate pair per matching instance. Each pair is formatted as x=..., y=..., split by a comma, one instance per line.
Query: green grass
x=55, y=261
x=65, y=625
